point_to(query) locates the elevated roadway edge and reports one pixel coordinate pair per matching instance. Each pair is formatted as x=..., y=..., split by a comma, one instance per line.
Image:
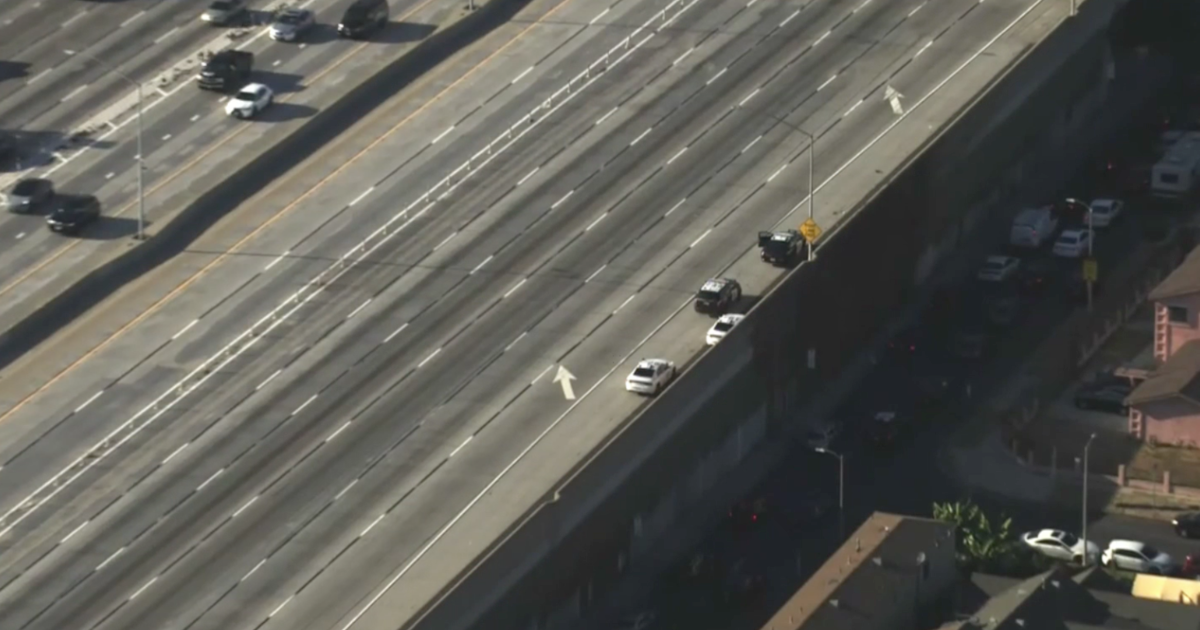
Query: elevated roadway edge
x=574, y=546
x=119, y=262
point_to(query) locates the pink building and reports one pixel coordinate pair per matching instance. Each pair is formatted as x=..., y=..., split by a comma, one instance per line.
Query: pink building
x=1165, y=408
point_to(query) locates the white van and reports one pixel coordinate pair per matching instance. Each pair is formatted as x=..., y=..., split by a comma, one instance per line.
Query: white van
x=1175, y=174
x=1033, y=227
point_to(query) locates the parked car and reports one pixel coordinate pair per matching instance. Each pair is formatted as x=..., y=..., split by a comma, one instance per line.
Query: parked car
x=1105, y=212
x=1032, y=227
x=998, y=268
x=1107, y=397
x=1036, y=275
x=1139, y=557
x=1187, y=524
x=721, y=327
x=1072, y=243
x=1060, y=545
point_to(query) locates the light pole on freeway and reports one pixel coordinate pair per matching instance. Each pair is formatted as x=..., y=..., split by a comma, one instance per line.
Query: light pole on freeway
x=141, y=164
x=812, y=158
x=1086, y=447
x=841, y=490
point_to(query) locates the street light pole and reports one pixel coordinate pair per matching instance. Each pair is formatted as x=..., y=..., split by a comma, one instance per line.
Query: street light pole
x=841, y=490
x=1086, y=448
x=1074, y=8
x=812, y=158
x=141, y=164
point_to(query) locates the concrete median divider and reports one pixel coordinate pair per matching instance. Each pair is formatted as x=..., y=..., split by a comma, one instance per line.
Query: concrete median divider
x=249, y=178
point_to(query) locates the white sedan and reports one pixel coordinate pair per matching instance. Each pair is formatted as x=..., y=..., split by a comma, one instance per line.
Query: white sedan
x=1072, y=243
x=249, y=101
x=1132, y=555
x=724, y=324
x=650, y=376
x=1060, y=545
x=998, y=268
x=1105, y=211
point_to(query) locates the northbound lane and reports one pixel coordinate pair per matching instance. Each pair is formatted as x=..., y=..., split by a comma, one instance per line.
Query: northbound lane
x=365, y=417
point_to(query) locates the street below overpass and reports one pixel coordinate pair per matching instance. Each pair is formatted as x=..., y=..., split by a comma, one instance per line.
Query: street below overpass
x=338, y=409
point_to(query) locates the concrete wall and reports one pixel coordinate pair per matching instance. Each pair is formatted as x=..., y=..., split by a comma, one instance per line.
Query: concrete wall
x=1171, y=422
x=557, y=564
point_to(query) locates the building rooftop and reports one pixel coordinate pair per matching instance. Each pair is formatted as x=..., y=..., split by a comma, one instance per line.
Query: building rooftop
x=879, y=558
x=1185, y=280
x=1179, y=377
x=1057, y=601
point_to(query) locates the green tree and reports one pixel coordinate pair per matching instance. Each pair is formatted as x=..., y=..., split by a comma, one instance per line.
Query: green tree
x=984, y=543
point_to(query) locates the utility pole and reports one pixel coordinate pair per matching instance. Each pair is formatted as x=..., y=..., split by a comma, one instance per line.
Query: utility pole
x=1086, y=448
x=841, y=490
x=141, y=164
x=812, y=158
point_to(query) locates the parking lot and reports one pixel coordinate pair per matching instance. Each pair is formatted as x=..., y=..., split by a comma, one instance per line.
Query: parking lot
x=972, y=334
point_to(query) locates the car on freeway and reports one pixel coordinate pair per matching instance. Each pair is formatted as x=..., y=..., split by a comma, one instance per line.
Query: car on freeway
x=823, y=435
x=721, y=327
x=1187, y=524
x=1072, y=243
x=780, y=248
x=249, y=101
x=1108, y=397
x=650, y=376
x=1105, y=212
x=224, y=12
x=1060, y=545
x=742, y=584
x=887, y=427
x=75, y=214
x=362, y=18
x=29, y=193
x=1132, y=555
x=1036, y=275
x=292, y=24
x=998, y=268
x=717, y=296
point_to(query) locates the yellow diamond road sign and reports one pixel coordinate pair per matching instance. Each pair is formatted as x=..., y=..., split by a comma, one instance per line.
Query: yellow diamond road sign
x=810, y=230
x=1091, y=270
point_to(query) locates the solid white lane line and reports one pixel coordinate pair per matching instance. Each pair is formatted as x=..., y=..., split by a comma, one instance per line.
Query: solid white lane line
x=183, y=331
x=88, y=401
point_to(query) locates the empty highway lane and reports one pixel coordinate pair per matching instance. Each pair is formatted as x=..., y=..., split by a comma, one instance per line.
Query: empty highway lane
x=327, y=469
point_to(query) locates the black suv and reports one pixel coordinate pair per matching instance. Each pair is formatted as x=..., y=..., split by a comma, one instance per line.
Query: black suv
x=30, y=193
x=362, y=18
x=717, y=296
x=780, y=248
x=75, y=214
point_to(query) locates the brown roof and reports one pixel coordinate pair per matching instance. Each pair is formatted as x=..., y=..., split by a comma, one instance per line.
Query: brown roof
x=1185, y=280
x=1179, y=377
x=861, y=573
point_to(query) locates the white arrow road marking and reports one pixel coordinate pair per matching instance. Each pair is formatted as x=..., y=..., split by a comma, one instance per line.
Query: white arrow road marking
x=565, y=377
x=893, y=98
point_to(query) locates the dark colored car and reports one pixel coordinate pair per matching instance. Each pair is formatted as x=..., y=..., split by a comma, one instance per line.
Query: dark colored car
x=29, y=194
x=1107, y=397
x=1036, y=276
x=885, y=428
x=718, y=295
x=362, y=18
x=75, y=214
x=742, y=585
x=908, y=344
x=780, y=248
x=969, y=339
x=1187, y=524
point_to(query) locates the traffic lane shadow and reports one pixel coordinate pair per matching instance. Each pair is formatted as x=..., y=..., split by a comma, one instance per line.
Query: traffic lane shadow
x=319, y=34
x=107, y=229
x=30, y=149
x=401, y=33
x=284, y=112
x=279, y=82
x=13, y=70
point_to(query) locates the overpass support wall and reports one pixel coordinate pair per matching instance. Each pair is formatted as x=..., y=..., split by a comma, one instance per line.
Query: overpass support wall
x=562, y=559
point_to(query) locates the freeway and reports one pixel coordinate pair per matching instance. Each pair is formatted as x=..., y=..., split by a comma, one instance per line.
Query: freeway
x=47, y=92
x=188, y=138
x=367, y=430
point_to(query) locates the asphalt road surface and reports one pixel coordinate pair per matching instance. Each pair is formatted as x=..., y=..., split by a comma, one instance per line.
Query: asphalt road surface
x=187, y=136
x=392, y=411
x=45, y=91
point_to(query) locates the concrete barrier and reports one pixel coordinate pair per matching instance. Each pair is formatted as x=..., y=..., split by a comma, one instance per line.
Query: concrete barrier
x=567, y=553
x=245, y=182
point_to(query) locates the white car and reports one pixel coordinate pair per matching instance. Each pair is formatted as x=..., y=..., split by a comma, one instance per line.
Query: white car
x=822, y=436
x=1060, y=545
x=1105, y=211
x=249, y=101
x=998, y=268
x=1071, y=243
x=1132, y=555
x=650, y=376
x=724, y=324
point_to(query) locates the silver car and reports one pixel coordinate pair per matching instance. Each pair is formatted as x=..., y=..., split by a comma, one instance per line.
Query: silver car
x=291, y=24
x=223, y=12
